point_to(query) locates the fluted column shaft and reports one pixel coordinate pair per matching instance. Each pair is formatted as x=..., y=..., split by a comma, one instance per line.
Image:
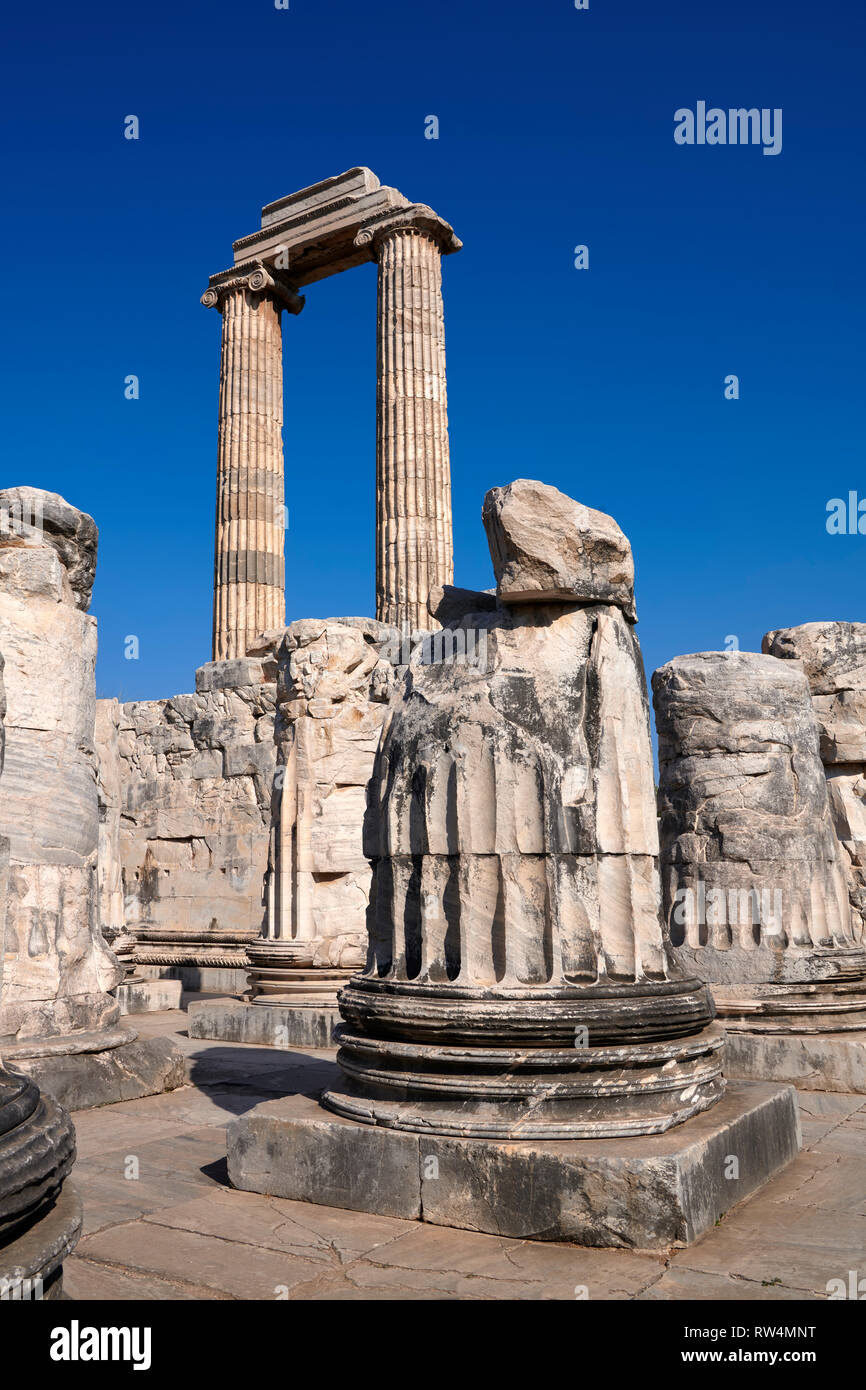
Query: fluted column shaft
x=249, y=569
x=414, y=549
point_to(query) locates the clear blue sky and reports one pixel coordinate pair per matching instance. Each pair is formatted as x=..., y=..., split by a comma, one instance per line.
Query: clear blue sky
x=556, y=128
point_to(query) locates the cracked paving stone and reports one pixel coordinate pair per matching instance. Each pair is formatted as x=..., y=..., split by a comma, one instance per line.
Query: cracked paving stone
x=226, y=1266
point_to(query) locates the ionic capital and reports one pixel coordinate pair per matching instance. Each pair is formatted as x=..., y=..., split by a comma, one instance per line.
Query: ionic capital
x=256, y=277
x=416, y=217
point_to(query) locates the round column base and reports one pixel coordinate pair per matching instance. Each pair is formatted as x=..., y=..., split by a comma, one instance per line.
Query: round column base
x=31, y=1262
x=37, y=1150
x=581, y=1092
x=818, y=1007
x=282, y=972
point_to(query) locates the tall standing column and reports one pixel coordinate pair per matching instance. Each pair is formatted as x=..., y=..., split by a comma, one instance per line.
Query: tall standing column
x=414, y=547
x=249, y=577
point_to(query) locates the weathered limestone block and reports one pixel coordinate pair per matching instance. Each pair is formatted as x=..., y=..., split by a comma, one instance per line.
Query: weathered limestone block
x=44, y=517
x=40, y=1219
x=134, y=993
x=196, y=775
x=448, y=603
x=58, y=1018
x=833, y=655
x=754, y=885
x=546, y=547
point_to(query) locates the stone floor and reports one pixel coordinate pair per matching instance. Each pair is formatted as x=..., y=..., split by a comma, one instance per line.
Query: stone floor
x=178, y=1231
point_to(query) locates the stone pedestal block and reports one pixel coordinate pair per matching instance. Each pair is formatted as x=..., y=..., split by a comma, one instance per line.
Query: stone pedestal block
x=271, y=1025
x=646, y=1193
x=148, y=996
x=810, y=1061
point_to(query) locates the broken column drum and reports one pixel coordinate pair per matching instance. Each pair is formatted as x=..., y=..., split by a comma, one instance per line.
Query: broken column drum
x=754, y=884
x=833, y=655
x=58, y=1018
x=519, y=982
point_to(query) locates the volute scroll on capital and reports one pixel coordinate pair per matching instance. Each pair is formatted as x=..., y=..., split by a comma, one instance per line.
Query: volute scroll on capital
x=258, y=279
x=417, y=217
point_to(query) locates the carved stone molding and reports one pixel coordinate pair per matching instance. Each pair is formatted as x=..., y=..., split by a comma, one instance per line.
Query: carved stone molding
x=418, y=217
x=258, y=279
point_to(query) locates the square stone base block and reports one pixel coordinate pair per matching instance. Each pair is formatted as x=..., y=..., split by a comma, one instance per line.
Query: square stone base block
x=642, y=1193
x=148, y=996
x=82, y=1080
x=269, y=1025
x=811, y=1062
x=201, y=979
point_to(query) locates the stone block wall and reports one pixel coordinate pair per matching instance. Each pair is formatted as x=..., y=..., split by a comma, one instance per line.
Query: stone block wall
x=195, y=775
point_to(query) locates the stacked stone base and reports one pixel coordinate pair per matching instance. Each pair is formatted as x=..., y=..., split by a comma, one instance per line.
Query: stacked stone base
x=645, y=1192
x=266, y=1025
x=810, y=1034
x=84, y=1070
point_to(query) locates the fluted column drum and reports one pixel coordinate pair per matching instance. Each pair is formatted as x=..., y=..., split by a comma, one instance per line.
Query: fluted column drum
x=755, y=890
x=249, y=568
x=414, y=549
x=519, y=981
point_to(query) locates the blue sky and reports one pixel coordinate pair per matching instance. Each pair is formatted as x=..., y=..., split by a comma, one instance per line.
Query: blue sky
x=556, y=129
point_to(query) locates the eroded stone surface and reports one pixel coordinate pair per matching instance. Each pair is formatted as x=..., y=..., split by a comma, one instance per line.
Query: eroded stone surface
x=331, y=693
x=833, y=655
x=546, y=547
x=644, y=1193
x=195, y=774
x=46, y=518
x=755, y=890
x=40, y=1219
x=58, y=968
x=516, y=954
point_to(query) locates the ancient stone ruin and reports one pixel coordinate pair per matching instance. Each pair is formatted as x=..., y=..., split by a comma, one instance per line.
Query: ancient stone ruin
x=755, y=879
x=519, y=987
x=195, y=774
x=321, y=231
x=833, y=656
x=196, y=769
x=563, y=998
x=59, y=1020
x=333, y=684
